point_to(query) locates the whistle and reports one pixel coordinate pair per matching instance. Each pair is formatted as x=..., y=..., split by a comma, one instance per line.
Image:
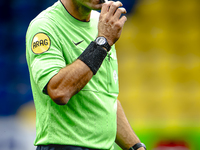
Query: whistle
x=103, y=1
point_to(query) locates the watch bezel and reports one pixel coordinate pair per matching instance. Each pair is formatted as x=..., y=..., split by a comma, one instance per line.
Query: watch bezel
x=98, y=40
x=104, y=44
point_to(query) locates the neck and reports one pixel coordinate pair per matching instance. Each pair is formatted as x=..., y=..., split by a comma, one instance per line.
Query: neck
x=77, y=10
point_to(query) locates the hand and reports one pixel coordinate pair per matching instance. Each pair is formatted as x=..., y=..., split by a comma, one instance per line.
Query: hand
x=110, y=24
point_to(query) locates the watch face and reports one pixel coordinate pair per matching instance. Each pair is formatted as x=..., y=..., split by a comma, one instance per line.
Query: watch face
x=101, y=40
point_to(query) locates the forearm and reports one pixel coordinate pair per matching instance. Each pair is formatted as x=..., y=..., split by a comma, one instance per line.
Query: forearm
x=74, y=77
x=69, y=81
x=125, y=137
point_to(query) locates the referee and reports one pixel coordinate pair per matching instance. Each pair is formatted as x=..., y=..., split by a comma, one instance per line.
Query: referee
x=74, y=77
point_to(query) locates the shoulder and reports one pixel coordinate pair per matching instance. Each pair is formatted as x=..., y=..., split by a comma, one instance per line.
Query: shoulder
x=42, y=28
x=37, y=26
x=45, y=18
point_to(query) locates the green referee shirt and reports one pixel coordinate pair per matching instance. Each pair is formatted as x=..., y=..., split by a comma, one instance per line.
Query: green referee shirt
x=54, y=40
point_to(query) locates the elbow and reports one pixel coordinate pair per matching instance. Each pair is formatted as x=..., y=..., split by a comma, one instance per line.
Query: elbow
x=60, y=100
x=58, y=96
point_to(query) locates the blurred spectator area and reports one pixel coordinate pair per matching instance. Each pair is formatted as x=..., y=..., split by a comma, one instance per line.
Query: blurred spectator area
x=15, y=16
x=159, y=69
x=159, y=60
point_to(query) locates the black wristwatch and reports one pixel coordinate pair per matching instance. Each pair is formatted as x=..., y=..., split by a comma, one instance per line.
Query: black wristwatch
x=102, y=41
x=136, y=146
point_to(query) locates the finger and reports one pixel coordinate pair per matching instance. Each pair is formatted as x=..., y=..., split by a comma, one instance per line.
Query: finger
x=114, y=7
x=105, y=7
x=119, y=12
x=122, y=20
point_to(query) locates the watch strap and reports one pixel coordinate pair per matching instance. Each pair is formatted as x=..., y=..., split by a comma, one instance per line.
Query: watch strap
x=107, y=46
x=136, y=146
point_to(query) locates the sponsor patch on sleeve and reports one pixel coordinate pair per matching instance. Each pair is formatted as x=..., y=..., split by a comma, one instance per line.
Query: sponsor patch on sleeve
x=40, y=43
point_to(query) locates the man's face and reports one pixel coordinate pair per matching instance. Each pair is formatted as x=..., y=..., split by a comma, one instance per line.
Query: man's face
x=91, y=4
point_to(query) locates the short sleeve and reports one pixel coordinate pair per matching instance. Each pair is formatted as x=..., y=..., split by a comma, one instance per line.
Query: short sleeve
x=43, y=51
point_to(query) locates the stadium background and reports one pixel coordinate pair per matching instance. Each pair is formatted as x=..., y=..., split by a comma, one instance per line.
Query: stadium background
x=159, y=73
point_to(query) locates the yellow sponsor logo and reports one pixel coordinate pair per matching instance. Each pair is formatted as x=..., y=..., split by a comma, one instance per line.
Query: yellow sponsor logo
x=40, y=43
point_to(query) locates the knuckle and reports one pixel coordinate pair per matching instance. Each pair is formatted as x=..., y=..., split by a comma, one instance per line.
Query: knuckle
x=107, y=4
x=118, y=25
x=124, y=18
x=119, y=10
x=118, y=4
x=115, y=5
x=111, y=2
x=104, y=4
x=112, y=21
x=106, y=20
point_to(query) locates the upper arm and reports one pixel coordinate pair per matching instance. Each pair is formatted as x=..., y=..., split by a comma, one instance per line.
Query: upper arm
x=43, y=51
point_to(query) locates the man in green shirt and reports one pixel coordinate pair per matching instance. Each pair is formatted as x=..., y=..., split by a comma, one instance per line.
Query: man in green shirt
x=74, y=77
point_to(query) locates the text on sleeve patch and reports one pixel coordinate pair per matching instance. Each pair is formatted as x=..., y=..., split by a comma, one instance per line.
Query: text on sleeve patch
x=40, y=43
